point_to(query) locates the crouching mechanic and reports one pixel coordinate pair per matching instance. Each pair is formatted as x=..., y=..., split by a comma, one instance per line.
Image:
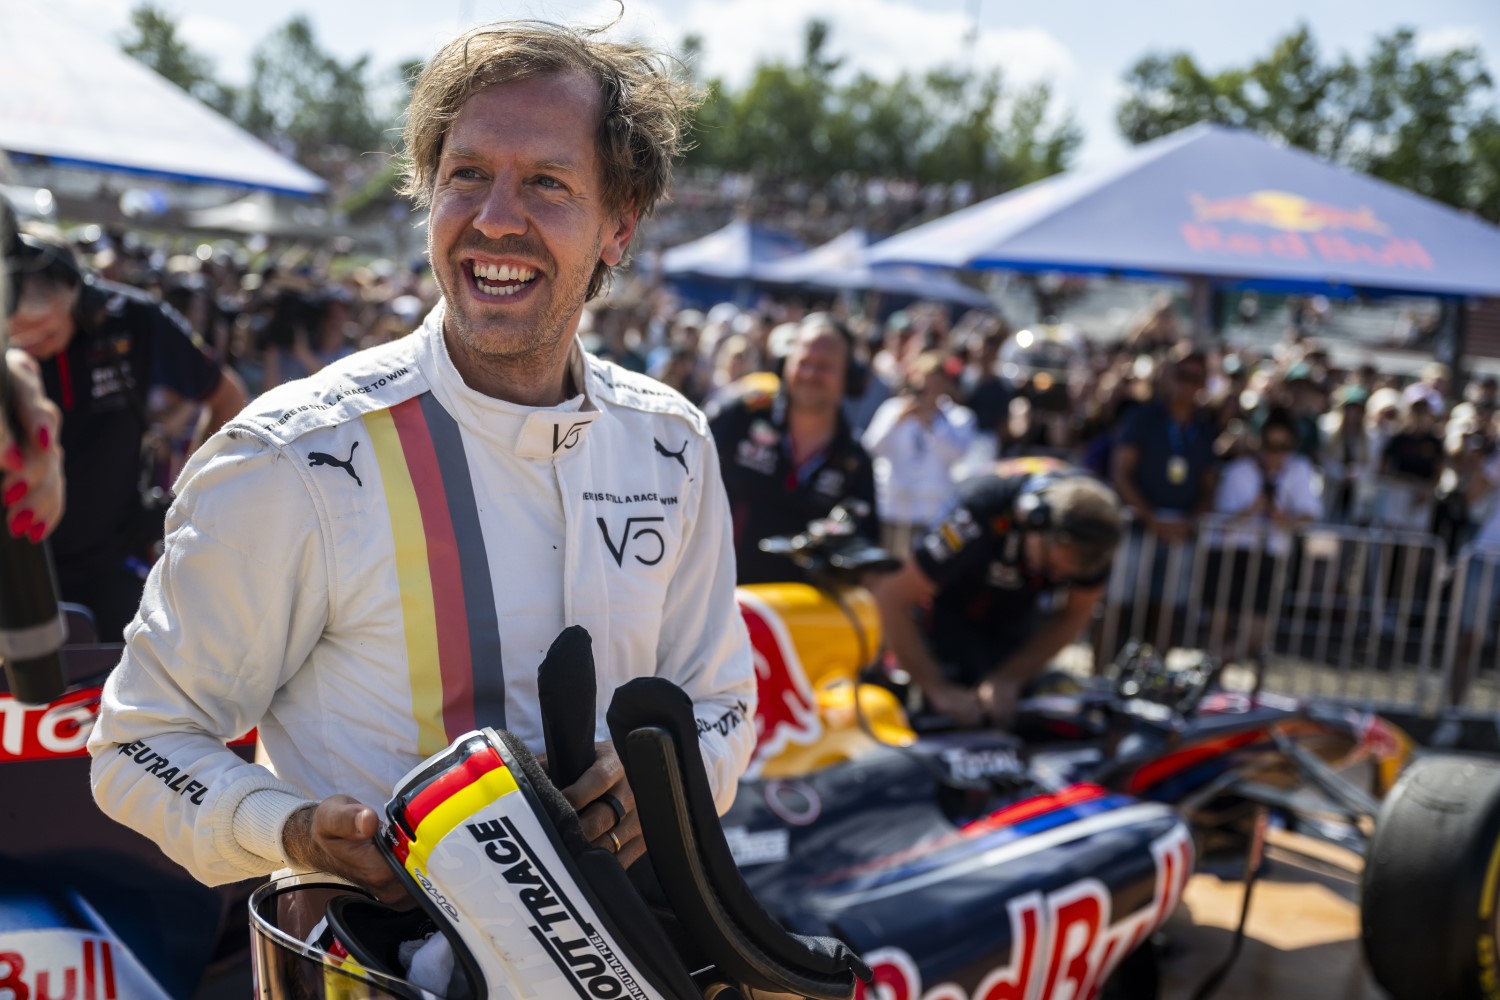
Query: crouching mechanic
x=370, y=562
x=989, y=596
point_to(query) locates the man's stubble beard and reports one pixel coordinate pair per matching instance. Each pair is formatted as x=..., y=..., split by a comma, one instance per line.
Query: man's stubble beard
x=533, y=349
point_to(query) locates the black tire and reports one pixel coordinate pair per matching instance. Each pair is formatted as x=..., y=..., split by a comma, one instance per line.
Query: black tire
x=1429, y=913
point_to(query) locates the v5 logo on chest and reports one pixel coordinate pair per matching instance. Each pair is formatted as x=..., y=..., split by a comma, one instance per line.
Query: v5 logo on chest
x=633, y=532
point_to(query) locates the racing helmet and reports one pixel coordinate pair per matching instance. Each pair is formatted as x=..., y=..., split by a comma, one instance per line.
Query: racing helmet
x=507, y=886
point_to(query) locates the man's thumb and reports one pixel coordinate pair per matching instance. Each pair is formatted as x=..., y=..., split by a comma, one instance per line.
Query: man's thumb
x=352, y=820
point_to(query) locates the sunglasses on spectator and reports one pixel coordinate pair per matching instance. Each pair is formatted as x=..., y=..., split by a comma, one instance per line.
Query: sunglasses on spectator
x=1277, y=446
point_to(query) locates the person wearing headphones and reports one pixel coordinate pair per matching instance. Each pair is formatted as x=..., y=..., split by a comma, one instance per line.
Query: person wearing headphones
x=998, y=587
x=102, y=348
x=787, y=452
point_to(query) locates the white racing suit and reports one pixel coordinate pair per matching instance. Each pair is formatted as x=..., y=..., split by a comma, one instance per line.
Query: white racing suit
x=370, y=562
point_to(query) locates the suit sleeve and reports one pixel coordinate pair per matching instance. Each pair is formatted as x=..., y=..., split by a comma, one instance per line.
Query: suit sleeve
x=229, y=614
x=704, y=647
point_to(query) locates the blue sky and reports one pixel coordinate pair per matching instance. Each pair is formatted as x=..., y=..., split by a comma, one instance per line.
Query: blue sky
x=1082, y=47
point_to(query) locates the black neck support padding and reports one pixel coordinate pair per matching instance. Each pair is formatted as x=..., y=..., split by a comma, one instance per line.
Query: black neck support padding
x=651, y=722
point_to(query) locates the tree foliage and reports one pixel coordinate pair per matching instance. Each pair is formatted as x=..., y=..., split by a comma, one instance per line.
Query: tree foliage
x=154, y=41
x=811, y=121
x=810, y=118
x=306, y=101
x=1425, y=122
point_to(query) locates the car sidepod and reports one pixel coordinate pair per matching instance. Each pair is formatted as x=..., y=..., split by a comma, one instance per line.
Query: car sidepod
x=1041, y=896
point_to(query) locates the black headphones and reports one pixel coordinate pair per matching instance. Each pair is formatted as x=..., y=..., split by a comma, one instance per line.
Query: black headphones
x=1034, y=513
x=40, y=257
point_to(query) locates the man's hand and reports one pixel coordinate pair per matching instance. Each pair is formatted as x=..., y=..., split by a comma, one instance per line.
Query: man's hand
x=998, y=697
x=606, y=806
x=338, y=835
x=957, y=702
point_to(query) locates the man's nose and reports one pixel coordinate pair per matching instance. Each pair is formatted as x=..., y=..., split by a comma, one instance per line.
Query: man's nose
x=502, y=213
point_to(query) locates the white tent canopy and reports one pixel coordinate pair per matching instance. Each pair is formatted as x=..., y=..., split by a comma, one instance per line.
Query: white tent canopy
x=75, y=99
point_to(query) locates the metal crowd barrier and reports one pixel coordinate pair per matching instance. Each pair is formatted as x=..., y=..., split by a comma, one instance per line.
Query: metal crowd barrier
x=1376, y=616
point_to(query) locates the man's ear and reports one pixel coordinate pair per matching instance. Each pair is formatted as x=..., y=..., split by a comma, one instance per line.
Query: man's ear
x=617, y=241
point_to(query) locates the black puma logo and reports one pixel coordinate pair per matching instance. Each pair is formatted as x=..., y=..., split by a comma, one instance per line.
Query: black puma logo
x=318, y=458
x=676, y=456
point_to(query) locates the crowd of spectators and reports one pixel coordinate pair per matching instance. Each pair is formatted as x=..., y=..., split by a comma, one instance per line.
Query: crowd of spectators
x=935, y=396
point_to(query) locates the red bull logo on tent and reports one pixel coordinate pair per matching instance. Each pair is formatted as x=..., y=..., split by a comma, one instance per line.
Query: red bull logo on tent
x=1288, y=226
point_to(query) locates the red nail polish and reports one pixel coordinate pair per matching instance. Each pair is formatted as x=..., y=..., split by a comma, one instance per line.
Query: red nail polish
x=15, y=493
x=44, y=438
x=37, y=531
x=20, y=523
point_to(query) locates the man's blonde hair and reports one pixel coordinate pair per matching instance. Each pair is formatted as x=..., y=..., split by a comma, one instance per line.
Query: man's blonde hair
x=643, y=101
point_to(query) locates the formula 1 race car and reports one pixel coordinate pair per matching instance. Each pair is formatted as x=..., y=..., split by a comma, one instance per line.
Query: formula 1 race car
x=1037, y=863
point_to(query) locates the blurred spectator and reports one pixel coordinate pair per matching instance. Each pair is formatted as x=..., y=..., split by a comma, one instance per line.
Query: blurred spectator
x=867, y=390
x=1432, y=389
x=1349, y=461
x=786, y=452
x=1463, y=487
x=1271, y=490
x=985, y=390
x=1411, y=464
x=734, y=359
x=915, y=439
x=1158, y=330
x=1164, y=465
x=1307, y=402
x=103, y=347
x=679, y=370
x=1165, y=469
x=1480, y=582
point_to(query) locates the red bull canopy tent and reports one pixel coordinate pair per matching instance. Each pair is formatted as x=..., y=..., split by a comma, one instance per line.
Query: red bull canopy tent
x=1223, y=204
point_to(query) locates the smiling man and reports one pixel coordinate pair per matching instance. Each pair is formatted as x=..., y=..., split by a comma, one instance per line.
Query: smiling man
x=368, y=563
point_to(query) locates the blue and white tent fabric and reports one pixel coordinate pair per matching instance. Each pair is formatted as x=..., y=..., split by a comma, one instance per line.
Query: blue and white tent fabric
x=843, y=264
x=72, y=98
x=1223, y=204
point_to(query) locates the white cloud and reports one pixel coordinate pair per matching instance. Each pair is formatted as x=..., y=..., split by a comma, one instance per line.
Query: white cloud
x=883, y=37
x=224, y=42
x=1442, y=40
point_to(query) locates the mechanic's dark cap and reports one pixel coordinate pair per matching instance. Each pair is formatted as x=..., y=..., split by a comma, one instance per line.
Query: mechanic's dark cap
x=47, y=254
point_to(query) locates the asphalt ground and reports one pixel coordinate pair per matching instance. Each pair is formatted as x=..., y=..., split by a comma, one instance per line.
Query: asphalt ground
x=1302, y=935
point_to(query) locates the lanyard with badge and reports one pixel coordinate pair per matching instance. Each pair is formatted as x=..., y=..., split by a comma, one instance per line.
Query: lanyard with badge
x=1180, y=438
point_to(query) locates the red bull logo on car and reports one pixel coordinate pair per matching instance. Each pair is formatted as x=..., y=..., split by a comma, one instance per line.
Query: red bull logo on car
x=787, y=710
x=1300, y=229
x=1064, y=944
